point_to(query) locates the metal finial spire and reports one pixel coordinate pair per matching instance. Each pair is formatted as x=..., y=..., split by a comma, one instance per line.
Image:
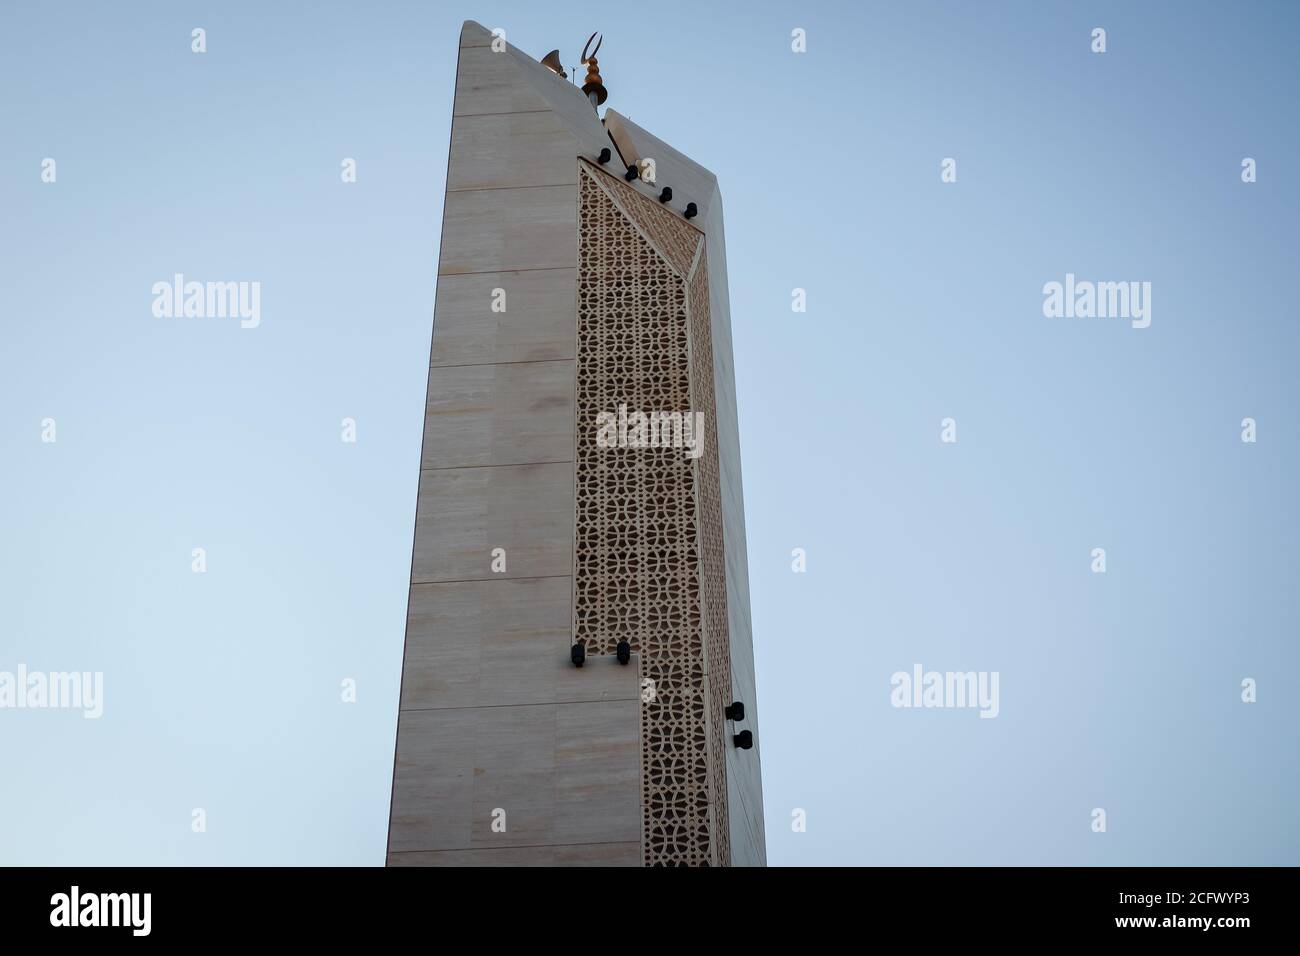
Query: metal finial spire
x=594, y=86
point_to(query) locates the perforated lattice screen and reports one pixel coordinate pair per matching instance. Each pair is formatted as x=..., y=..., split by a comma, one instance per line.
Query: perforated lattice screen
x=648, y=557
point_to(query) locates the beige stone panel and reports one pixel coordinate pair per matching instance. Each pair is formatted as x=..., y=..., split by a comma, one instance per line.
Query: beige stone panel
x=499, y=642
x=538, y=324
x=747, y=842
x=598, y=766
x=433, y=783
x=484, y=86
x=463, y=513
x=509, y=414
x=568, y=101
x=744, y=767
x=597, y=854
x=489, y=82
x=496, y=230
x=627, y=151
x=473, y=33
x=514, y=772
x=503, y=152
x=554, y=773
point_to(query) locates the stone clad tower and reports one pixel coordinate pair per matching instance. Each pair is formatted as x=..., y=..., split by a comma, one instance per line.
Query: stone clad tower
x=576, y=302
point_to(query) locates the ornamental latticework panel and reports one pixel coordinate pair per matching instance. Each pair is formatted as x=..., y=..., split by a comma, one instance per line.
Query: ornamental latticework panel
x=677, y=242
x=648, y=532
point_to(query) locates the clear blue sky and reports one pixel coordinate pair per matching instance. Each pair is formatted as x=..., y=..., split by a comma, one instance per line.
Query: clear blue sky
x=1119, y=691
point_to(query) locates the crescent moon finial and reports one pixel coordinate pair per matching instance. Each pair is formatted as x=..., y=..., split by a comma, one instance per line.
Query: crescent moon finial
x=585, y=55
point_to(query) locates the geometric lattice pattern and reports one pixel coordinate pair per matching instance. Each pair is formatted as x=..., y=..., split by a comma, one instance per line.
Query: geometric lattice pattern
x=672, y=238
x=648, y=530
